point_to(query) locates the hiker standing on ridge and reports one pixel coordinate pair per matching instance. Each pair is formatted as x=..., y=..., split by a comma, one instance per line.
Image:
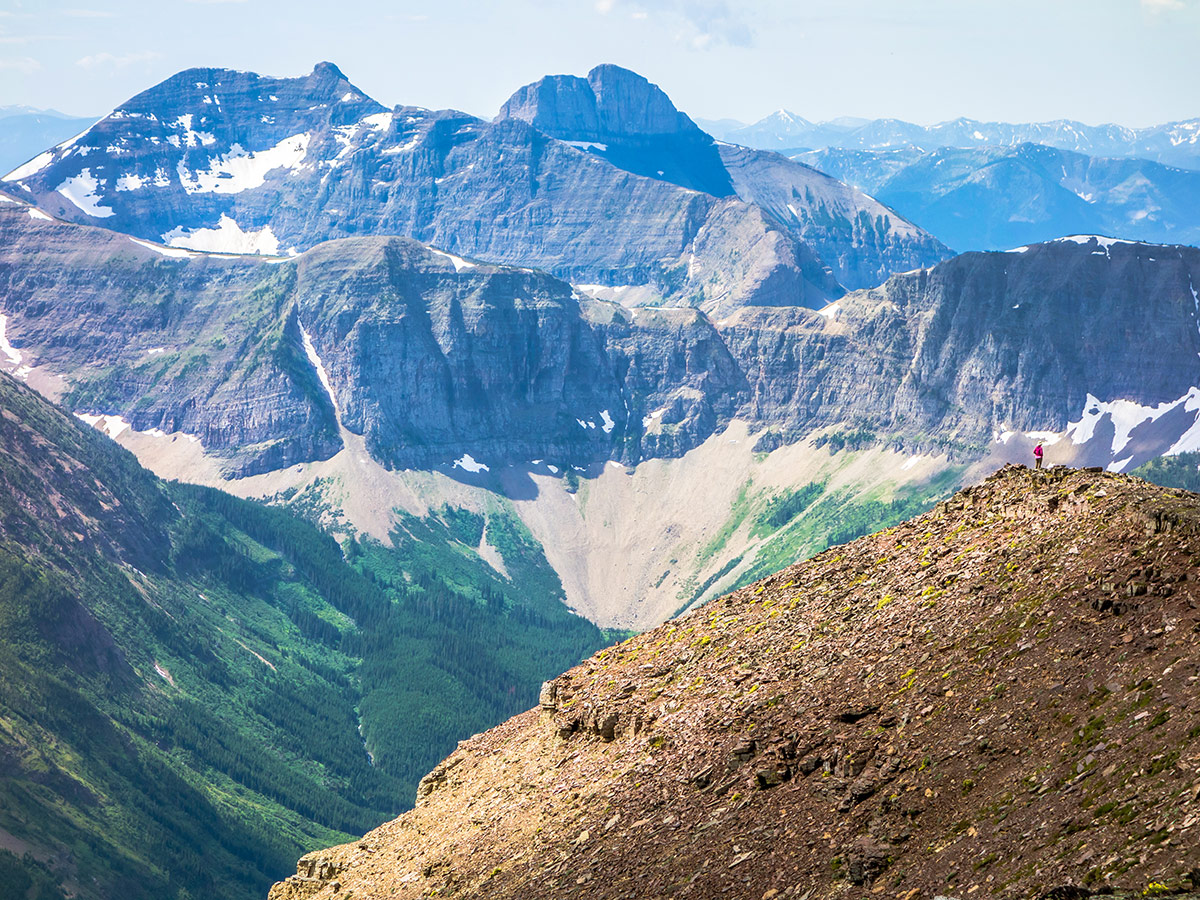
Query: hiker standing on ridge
x=1037, y=456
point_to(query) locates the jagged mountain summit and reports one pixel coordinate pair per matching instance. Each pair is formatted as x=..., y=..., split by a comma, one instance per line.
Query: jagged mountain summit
x=227, y=161
x=999, y=696
x=1173, y=143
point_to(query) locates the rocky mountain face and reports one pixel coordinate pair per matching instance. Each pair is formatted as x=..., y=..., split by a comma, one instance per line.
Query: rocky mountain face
x=863, y=240
x=998, y=197
x=1172, y=144
x=431, y=357
x=599, y=181
x=992, y=344
x=998, y=696
x=427, y=356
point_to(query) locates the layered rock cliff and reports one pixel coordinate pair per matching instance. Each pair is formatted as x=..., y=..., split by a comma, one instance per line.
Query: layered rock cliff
x=999, y=696
x=431, y=356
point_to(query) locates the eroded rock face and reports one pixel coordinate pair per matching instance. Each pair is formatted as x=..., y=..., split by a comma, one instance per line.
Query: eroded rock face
x=628, y=121
x=431, y=356
x=939, y=708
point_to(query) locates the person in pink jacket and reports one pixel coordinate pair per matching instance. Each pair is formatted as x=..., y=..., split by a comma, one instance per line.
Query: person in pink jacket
x=1037, y=456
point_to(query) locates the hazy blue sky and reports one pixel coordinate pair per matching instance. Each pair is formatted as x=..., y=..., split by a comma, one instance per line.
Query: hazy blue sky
x=1127, y=61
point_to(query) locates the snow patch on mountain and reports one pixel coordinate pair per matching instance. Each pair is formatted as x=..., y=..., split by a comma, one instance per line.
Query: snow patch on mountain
x=82, y=190
x=322, y=374
x=114, y=426
x=169, y=252
x=13, y=355
x=1126, y=415
x=242, y=170
x=32, y=167
x=468, y=463
x=459, y=262
x=227, y=237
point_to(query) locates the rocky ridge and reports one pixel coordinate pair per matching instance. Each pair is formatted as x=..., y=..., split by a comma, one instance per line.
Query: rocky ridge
x=998, y=697
x=430, y=356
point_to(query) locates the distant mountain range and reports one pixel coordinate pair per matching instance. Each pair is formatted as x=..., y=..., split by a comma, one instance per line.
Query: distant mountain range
x=600, y=181
x=26, y=131
x=1174, y=144
x=994, y=198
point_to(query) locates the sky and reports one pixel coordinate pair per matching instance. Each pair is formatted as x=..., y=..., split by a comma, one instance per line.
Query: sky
x=1132, y=62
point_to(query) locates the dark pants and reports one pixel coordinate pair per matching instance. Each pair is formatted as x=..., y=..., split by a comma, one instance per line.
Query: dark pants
x=1037, y=462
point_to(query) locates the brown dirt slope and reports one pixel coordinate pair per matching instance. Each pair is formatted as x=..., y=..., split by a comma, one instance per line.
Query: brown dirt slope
x=998, y=698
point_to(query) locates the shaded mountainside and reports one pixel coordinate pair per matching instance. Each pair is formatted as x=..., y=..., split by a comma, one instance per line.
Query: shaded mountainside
x=430, y=358
x=610, y=185
x=994, y=198
x=998, y=697
x=194, y=688
x=863, y=240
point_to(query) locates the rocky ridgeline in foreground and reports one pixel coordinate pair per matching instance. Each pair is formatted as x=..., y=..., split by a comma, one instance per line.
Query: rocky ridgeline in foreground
x=997, y=698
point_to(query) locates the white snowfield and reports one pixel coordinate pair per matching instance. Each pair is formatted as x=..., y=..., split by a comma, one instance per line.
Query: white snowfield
x=169, y=252
x=459, y=262
x=468, y=463
x=14, y=356
x=240, y=170
x=82, y=190
x=588, y=145
x=32, y=167
x=114, y=426
x=1125, y=416
x=227, y=237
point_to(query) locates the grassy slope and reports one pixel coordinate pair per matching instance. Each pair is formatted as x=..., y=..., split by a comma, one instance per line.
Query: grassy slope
x=780, y=527
x=182, y=672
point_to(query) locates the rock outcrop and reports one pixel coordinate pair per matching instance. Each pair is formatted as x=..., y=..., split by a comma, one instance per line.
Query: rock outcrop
x=999, y=696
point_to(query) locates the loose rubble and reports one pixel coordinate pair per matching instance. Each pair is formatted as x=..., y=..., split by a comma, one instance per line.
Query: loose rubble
x=997, y=698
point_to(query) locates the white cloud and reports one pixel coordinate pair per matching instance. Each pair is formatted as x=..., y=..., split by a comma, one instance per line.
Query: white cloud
x=1161, y=5
x=96, y=60
x=708, y=23
x=26, y=65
